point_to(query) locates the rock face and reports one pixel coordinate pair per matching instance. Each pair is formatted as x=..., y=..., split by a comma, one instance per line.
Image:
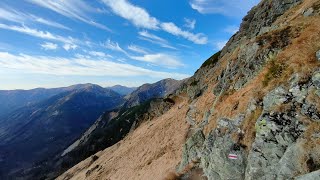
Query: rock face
x=217, y=147
x=285, y=138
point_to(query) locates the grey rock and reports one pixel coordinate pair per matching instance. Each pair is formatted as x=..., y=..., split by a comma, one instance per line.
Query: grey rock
x=316, y=79
x=308, y=12
x=294, y=80
x=318, y=55
x=274, y=98
x=289, y=164
x=299, y=93
x=214, y=156
x=276, y=135
x=311, y=111
x=191, y=149
x=310, y=176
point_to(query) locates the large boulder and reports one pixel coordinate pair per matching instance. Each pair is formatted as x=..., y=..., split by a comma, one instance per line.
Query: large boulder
x=217, y=147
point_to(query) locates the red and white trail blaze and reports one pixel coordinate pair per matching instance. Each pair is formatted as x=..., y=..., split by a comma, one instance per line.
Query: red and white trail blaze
x=232, y=156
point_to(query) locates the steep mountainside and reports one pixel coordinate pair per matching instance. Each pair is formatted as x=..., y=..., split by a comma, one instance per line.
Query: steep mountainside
x=123, y=90
x=155, y=90
x=35, y=132
x=252, y=109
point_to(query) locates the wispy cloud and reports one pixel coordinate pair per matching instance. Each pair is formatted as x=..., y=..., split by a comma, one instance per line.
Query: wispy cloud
x=233, y=8
x=99, y=54
x=77, y=66
x=49, y=46
x=38, y=33
x=114, y=46
x=18, y=17
x=137, y=49
x=73, y=9
x=161, y=59
x=68, y=46
x=145, y=35
x=190, y=23
x=141, y=18
x=138, y=16
x=175, y=30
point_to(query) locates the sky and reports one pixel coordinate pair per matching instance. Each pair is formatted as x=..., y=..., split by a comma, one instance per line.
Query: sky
x=56, y=43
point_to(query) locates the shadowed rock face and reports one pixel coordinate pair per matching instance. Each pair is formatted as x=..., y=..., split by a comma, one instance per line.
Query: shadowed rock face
x=38, y=131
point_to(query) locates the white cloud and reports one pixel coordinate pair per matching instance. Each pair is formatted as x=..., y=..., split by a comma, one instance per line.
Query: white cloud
x=145, y=35
x=38, y=33
x=220, y=44
x=190, y=23
x=141, y=18
x=99, y=54
x=49, y=46
x=68, y=47
x=137, y=49
x=138, y=16
x=18, y=17
x=231, y=29
x=114, y=46
x=160, y=59
x=73, y=9
x=234, y=8
x=173, y=29
x=77, y=67
x=49, y=23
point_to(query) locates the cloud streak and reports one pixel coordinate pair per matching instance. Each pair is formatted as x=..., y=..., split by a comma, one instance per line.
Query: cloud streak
x=77, y=67
x=141, y=18
x=49, y=46
x=38, y=33
x=73, y=9
x=137, y=49
x=145, y=35
x=18, y=17
x=161, y=59
x=232, y=8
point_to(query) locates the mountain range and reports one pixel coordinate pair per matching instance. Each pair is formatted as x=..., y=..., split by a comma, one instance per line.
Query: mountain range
x=48, y=120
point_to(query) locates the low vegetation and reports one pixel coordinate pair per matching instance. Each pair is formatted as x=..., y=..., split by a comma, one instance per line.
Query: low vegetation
x=275, y=70
x=212, y=60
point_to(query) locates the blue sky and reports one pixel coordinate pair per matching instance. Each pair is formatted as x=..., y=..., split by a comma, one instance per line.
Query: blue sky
x=54, y=43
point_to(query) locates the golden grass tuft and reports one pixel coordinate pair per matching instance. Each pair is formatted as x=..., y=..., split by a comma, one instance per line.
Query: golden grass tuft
x=248, y=126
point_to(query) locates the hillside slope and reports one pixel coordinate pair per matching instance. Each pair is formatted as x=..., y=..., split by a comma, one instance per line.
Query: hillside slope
x=257, y=100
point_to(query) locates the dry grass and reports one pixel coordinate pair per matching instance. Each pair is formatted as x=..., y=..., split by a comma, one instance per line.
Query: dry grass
x=172, y=176
x=248, y=126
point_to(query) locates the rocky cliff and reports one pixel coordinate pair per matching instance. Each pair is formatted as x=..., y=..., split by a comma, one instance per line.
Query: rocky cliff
x=250, y=112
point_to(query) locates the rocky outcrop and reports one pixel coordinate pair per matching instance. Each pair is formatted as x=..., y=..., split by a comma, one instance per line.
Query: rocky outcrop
x=285, y=133
x=278, y=150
